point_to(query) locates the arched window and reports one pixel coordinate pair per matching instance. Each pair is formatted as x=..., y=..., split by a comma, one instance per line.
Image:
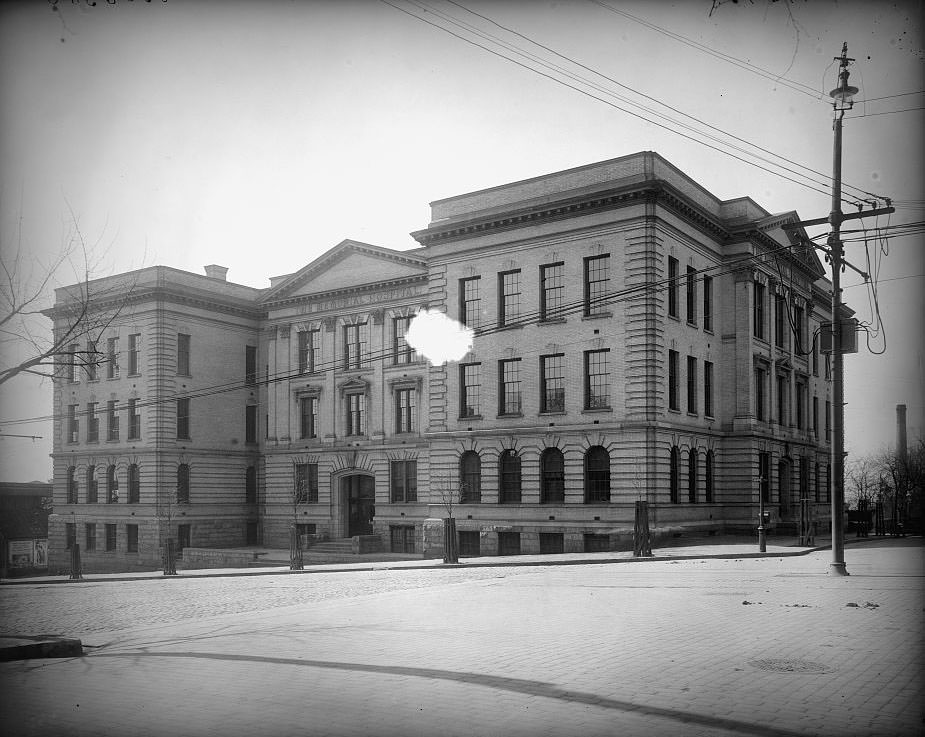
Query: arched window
x=250, y=485
x=183, y=483
x=597, y=475
x=134, y=484
x=675, y=453
x=92, y=488
x=72, y=485
x=470, y=477
x=708, y=491
x=552, y=476
x=509, y=472
x=692, y=476
x=112, y=485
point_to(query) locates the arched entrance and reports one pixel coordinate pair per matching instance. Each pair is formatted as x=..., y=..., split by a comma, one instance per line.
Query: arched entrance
x=358, y=492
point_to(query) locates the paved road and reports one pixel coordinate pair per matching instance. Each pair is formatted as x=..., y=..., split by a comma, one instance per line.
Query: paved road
x=653, y=648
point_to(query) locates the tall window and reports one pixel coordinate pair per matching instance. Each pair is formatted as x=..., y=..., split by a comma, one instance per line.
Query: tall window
x=250, y=485
x=764, y=476
x=597, y=281
x=692, y=384
x=134, y=420
x=782, y=399
x=692, y=476
x=780, y=306
x=71, y=366
x=93, y=423
x=134, y=341
x=817, y=482
x=674, y=401
x=509, y=387
x=92, y=486
x=828, y=420
x=308, y=417
x=470, y=477
x=404, y=481
x=815, y=415
x=760, y=393
x=798, y=336
x=708, y=470
x=112, y=358
x=552, y=476
x=552, y=383
x=815, y=350
x=306, y=483
x=597, y=379
x=110, y=538
x=73, y=424
x=509, y=477
x=112, y=420
x=508, y=297
x=404, y=410
x=131, y=538
x=597, y=475
x=402, y=353
x=691, y=295
x=801, y=402
x=708, y=303
x=470, y=304
x=134, y=484
x=672, y=286
x=183, y=428
x=708, y=388
x=183, y=354
x=250, y=423
x=758, y=310
x=309, y=348
x=354, y=345
x=552, y=290
x=470, y=390
x=71, y=485
x=70, y=535
x=356, y=414
x=92, y=361
x=250, y=365
x=183, y=483
x=90, y=534
x=112, y=485
x=674, y=473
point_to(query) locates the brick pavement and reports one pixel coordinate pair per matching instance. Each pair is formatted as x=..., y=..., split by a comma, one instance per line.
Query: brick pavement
x=651, y=649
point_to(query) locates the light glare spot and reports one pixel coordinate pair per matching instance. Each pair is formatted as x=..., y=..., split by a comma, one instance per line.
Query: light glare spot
x=438, y=337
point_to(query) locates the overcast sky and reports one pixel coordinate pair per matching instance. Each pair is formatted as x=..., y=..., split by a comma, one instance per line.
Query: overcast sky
x=257, y=135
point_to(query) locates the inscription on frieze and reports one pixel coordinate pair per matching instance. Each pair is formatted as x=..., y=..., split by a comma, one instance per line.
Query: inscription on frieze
x=359, y=300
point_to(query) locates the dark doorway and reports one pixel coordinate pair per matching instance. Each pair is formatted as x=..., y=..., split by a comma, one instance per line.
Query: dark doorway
x=253, y=536
x=183, y=538
x=360, y=495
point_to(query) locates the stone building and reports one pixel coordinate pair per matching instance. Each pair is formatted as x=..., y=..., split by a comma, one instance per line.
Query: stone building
x=636, y=338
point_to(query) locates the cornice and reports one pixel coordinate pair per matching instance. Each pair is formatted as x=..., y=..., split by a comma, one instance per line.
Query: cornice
x=273, y=304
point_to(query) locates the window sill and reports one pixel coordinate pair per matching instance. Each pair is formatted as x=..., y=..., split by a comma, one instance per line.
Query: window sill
x=552, y=412
x=674, y=410
x=691, y=324
x=673, y=317
x=508, y=415
x=693, y=414
x=597, y=316
x=470, y=417
x=596, y=410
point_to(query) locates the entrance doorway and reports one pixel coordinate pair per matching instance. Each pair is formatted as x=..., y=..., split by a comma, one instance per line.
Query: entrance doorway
x=359, y=493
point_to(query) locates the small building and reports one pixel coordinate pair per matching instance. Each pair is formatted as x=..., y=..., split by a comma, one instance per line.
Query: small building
x=24, y=511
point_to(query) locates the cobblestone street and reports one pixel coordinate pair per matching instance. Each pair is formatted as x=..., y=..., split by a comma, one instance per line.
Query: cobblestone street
x=772, y=646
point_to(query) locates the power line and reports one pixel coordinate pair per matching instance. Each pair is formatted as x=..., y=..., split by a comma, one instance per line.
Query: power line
x=888, y=112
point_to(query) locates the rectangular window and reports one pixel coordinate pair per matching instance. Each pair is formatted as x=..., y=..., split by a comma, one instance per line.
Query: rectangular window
x=764, y=476
x=817, y=483
x=250, y=365
x=815, y=415
x=90, y=536
x=692, y=385
x=134, y=341
x=708, y=388
x=309, y=348
x=183, y=428
x=815, y=350
x=508, y=543
x=93, y=423
x=72, y=363
x=708, y=303
x=782, y=400
x=112, y=421
x=308, y=417
x=250, y=423
x=183, y=354
x=354, y=345
x=404, y=481
x=93, y=486
x=508, y=297
x=801, y=401
x=780, y=306
x=73, y=424
x=306, y=483
x=672, y=286
x=597, y=282
x=597, y=379
x=674, y=401
x=70, y=535
x=404, y=410
x=356, y=414
x=691, y=295
x=131, y=538
x=402, y=353
x=470, y=304
x=112, y=358
x=134, y=420
x=828, y=420
x=134, y=485
x=509, y=387
x=469, y=543
x=551, y=543
x=552, y=383
x=760, y=393
x=798, y=337
x=92, y=361
x=758, y=310
x=470, y=390
x=552, y=291
x=110, y=538
x=401, y=538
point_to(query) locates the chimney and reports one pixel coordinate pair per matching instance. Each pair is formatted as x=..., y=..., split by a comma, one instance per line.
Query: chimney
x=901, y=432
x=214, y=271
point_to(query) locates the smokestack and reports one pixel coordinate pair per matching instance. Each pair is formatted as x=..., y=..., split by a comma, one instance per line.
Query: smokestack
x=901, y=431
x=214, y=271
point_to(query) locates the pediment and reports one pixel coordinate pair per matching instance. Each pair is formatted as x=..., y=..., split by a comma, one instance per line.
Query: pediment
x=783, y=229
x=349, y=265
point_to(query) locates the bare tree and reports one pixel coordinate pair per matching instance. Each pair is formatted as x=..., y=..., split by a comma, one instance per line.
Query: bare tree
x=448, y=490
x=903, y=478
x=862, y=480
